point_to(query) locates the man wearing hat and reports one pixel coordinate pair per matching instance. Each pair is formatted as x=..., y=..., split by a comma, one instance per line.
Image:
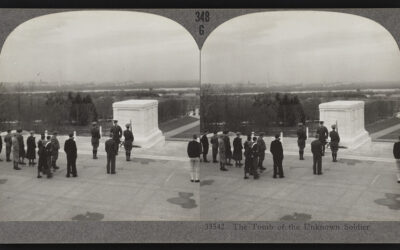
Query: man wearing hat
x=301, y=140
x=8, y=142
x=128, y=143
x=116, y=130
x=55, y=144
x=205, y=144
x=335, y=139
x=31, y=149
x=276, y=150
x=323, y=133
x=95, y=131
x=20, y=138
x=261, y=151
x=111, y=150
x=316, y=149
x=72, y=153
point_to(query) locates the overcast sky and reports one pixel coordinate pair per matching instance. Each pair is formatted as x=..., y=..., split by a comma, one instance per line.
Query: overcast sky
x=300, y=47
x=99, y=46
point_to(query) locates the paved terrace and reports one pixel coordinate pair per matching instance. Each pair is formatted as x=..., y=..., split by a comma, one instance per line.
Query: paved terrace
x=360, y=186
x=153, y=186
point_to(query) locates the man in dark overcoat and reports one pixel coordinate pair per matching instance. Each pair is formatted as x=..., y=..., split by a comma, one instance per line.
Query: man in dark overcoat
x=95, y=131
x=276, y=150
x=72, y=153
x=301, y=140
x=111, y=150
x=316, y=149
x=116, y=130
x=205, y=144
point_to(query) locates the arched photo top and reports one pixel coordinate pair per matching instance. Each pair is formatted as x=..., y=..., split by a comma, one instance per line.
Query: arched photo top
x=300, y=47
x=99, y=46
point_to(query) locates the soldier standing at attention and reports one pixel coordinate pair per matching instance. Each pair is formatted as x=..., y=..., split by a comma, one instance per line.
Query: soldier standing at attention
x=8, y=142
x=301, y=140
x=396, y=154
x=316, y=149
x=15, y=150
x=214, y=143
x=31, y=149
x=116, y=130
x=335, y=139
x=194, y=151
x=323, y=133
x=54, y=151
x=276, y=150
x=111, y=151
x=205, y=144
x=21, y=147
x=95, y=138
x=48, y=151
x=261, y=151
x=128, y=143
x=72, y=153
x=254, y=153
x=41, y=155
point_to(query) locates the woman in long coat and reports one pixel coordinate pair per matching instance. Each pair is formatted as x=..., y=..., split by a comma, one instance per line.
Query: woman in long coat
x=237, y=150
x=31, y=151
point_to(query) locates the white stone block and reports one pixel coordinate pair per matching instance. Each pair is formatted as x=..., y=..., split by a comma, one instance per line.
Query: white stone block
x=349, y=118
x=144, y=117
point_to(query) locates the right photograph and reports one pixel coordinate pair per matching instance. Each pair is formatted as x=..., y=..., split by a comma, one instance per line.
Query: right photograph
x=300, y=119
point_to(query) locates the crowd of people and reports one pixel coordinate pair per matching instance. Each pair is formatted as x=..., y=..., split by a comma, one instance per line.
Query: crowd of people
x=253, y=150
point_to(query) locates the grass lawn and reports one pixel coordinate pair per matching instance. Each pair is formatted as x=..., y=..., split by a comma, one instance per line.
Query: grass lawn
x=188, y=133
x=176, y=123
x=380, y=125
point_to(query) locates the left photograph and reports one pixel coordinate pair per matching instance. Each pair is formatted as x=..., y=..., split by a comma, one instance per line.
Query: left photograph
x=99, y=117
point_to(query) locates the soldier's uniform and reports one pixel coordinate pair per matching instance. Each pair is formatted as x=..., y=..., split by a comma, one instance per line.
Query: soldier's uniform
x=316, y=149
x=261, y=152
x=48, y=151
x=55, y=144
x=254, y=154
x=95, y=131
x=15, y=151
x=214, y=143
x=111, y=153
x=247, y=154
x=8, y=142
x=335, y=139
x=128, y=142
x=276, y=150
x=72, y=153
x=301, y=141
x=116, y=130
x=323, y=134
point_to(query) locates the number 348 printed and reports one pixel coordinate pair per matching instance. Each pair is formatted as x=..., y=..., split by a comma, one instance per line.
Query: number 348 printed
x=202, y=17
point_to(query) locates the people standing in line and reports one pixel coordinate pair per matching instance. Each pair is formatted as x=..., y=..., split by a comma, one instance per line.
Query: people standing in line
x=222, y=153
x=316, y=149
x=95, y=131
x=254, y=154
x=276, y=150
x=301, y=140
x=54, y=152
x=8, y=142
x=323, y=134
x=194, y=152
x=20, y=138
x=48, y=152
x=247, y=154
x=111, y=151
x=205, y=146
x=237, y=150
x=72, y=153
x=128, y=142
x=214, y=143
x=228, y=149
x=261, y=151
x=31, y=149
x=15, y=151
x=1, y=146
x=116, y=130
x=42, y=155
x=396, y=154
x=334, y=144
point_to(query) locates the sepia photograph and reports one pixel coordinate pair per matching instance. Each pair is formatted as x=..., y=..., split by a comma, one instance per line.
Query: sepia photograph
x=301, y=119
x=97, y=109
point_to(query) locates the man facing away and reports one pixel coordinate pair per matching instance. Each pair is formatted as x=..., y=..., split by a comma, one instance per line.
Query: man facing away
x=247, y=154
x=323, y=134
x=301, y=140
x=228, y=149
x=335, y=139
x=276, y=150
x=116, y=131
x=261, y=151
x=254, y=153
x=72, y=153
x=48, y=148
x=128, y=142
x=214, y=143
x=396, y=154
x=54, y=151
x=205, y=144
x=42, y=155
x=95, y=131
x=194, y=151
x=15, y=151
x=8, y=142
x=316, y=149
x=111, y=151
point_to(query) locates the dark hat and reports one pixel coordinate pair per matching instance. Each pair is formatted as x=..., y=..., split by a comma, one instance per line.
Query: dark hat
x=333, y=126
x=277, y=136
x=19, y=130
x=127, y=125
x=115, y=121
x=194, y=136
x=262, y=134
x=71, y=134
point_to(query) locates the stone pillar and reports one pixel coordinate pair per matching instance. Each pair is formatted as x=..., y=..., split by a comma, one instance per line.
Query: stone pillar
x=144, y=117
x=349, y=117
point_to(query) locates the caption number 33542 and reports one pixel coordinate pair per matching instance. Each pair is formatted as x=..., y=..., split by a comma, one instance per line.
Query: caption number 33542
x=202, y=17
